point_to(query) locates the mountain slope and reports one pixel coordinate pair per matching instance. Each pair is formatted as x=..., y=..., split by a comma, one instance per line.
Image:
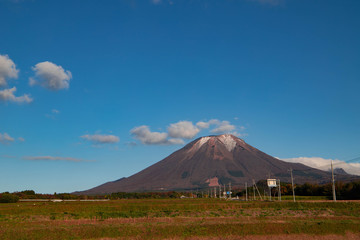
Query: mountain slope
x=210, y=161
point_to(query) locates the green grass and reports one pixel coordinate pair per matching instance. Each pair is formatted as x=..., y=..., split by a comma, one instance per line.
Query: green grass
x=174, y=218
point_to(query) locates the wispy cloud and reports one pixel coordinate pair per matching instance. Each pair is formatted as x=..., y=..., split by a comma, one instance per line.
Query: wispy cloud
x=8, y=95
x=6, y=138
x=155, y=2
x=131, y=144
x=175, y=141
x=101, y=138
x=53, y=114
x=51, y=158
x=50, y=76
x=324, y=164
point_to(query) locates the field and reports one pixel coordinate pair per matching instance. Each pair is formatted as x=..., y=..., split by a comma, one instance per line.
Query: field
x=180, y=219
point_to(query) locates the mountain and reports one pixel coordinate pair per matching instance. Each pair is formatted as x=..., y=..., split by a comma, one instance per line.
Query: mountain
x=339, y=171
x=208, y=162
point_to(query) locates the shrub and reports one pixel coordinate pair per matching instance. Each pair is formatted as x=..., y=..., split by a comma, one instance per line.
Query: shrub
x=8, y=198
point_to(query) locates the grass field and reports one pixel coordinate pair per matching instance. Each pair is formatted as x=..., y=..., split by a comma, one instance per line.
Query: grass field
x=180, y=219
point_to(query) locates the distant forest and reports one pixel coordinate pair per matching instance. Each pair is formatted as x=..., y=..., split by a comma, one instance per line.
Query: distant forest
x=344, y=191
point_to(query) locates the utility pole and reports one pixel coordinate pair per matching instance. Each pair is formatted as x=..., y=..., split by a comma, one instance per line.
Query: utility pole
x=292, y=183
x=264, y=195
x=257, y=190
x=246, y=197
x=269, y=175
x=270, y=193
x=224, y=193
x=254, y=190
x=279, y=195
x=230, y=190
x=333, y=182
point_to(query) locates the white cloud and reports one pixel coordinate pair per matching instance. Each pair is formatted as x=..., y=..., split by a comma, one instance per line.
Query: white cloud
x=156, y=1
x=55, y=111
x=183, y=129
x=8, y=95
x=5, y=138
x=175, y=141
x=101, y=139
x=51, y=158
x=21, y=139
x=50, y=76
x=222, y=127
x=144, y=134
x=324, y=164
x=240, y=135
x=7, y=70
x=203, y=125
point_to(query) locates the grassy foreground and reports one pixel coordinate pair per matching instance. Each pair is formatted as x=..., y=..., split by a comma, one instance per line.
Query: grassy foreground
x=176, y=219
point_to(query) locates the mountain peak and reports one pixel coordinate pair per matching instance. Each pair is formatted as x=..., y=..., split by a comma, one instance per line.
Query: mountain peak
x=228, y=140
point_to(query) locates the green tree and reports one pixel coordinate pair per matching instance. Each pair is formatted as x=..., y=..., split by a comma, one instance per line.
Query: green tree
x=8, y=198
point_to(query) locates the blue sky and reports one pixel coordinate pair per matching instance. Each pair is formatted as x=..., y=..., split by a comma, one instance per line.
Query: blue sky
x=92, y=91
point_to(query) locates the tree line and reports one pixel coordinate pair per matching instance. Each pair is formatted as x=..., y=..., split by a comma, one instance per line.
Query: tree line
x=344, y=191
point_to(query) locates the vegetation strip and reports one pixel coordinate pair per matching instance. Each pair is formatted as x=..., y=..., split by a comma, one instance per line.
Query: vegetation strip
x=175, y=218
